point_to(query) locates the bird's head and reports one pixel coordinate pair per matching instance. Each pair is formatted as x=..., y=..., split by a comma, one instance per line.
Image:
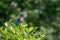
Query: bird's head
x=21, y=17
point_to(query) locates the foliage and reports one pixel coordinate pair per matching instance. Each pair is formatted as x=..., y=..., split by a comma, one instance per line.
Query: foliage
x=44, y=14
x=45, y=9
x=12, y=32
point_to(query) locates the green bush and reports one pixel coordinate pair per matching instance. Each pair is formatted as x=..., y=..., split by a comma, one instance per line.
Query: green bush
x=22, y=32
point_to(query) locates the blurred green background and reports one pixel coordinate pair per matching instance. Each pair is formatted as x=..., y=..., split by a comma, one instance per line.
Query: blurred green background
x=42, y=13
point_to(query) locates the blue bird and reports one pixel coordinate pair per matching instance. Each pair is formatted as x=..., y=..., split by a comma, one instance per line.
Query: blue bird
x=20, y=19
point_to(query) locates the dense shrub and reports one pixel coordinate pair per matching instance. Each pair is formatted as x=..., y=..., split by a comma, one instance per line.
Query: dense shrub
x=22, y=32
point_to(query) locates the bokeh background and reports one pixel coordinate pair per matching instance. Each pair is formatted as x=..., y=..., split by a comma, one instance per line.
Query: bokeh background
x=44, y=14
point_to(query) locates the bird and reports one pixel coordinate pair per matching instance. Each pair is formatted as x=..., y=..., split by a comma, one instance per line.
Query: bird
x=20, y=19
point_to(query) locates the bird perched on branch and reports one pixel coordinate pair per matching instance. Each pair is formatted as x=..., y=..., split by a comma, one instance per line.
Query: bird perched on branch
x=20, y=19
